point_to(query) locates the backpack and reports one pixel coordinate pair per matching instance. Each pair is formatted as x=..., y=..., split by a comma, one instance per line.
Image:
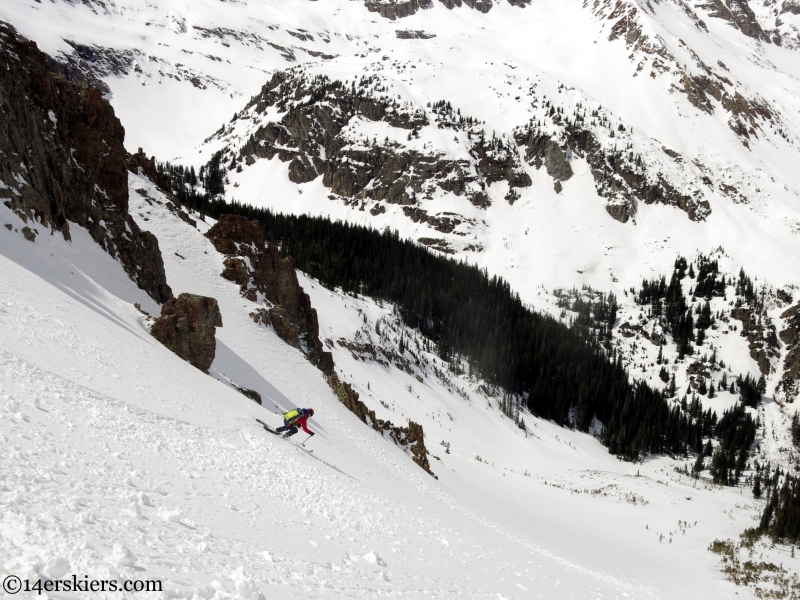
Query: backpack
x=293, y=416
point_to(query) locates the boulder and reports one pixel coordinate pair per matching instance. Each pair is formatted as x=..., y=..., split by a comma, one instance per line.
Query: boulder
x=187, y=326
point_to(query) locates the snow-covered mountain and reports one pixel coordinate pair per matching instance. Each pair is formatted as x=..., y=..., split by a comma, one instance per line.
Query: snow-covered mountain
x=639, y=154
x=669, y=128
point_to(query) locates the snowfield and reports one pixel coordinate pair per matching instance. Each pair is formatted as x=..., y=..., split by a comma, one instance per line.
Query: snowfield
x=123, y=461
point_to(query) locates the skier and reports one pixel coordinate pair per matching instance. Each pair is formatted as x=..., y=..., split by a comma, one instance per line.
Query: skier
x=298, y=416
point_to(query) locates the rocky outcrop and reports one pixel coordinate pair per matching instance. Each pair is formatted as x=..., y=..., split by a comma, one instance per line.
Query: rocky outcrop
x=187, y=326
x=483, y=6
x=141, y=165
x=411, y=437
x=789, y=385
x=745, y=114
x=541, y=150
x=252, y=394
x=443, y=224
x=62, y=161
x=754, y=328
x=739, y=14
x=309, y=136
x=413, y=34
x=396, y=9
x=263, y=274
x=617, y=178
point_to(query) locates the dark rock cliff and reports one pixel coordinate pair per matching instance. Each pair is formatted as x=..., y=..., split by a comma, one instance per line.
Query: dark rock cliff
x=739, y=14
x=309, y=137
x=790, y=382
x=397, y=9
x=618, y=179
x=263, y=274
x=411, y=437
x=140, y=164
x=62, y=160
x=758, y=343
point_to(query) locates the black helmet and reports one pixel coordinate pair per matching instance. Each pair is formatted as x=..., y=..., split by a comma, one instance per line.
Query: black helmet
x=310, y=412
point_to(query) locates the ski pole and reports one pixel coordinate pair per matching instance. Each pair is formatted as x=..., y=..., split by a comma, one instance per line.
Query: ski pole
x=303, y=443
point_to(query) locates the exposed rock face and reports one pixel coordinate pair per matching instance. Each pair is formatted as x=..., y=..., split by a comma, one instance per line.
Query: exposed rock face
x=444, y=224
x=252, y=394
x=187, y=326
x=739, y=14
x=411, y=437
x=483, y=6
x=622, y=212
x=414, y=34
x=745, y=114
x=789, y=385
x=309, y=137
x=541, y=150
x=141, y=165
x=262, y=273
x=62, y=159
x=396, y=9
x=760, y=350
x=619, y=180
x=791, y=7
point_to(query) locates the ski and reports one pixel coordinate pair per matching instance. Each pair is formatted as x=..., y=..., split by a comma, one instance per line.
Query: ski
x=268, y=428
x=272, y=431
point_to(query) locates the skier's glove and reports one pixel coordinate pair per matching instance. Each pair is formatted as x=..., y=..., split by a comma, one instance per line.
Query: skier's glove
x=312, y=433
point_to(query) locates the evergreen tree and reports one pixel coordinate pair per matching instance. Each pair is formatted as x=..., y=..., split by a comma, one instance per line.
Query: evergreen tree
x=757, y=487
x=720, y=469
x=749, y=390
x=699, y=464
x=761, y=386
x=701, y=337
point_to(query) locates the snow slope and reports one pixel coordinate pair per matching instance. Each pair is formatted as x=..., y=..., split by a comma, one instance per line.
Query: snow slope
x=123, y=461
